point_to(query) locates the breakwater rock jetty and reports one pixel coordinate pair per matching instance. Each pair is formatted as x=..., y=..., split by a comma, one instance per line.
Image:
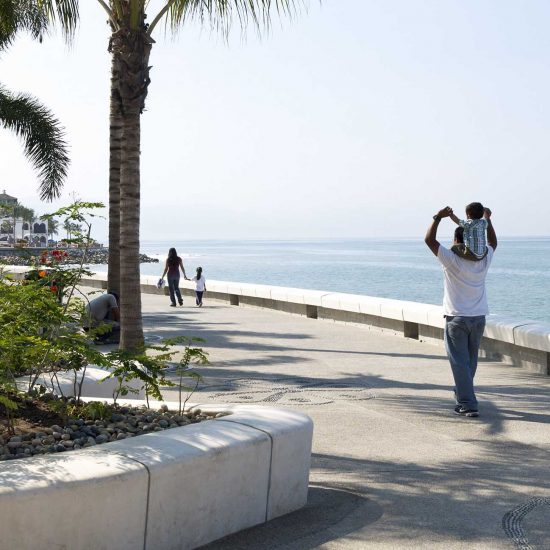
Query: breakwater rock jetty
x=29, y=256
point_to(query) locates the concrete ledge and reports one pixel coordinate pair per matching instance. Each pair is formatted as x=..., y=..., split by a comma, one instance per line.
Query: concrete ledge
x=180, y=488
x=290, y=434
x=534, y=335
x=522, y=342
x=91, y=386
x=501, y=328
x=80, y=500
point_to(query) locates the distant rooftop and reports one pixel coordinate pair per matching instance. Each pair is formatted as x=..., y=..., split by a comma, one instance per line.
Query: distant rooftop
x=5, y=198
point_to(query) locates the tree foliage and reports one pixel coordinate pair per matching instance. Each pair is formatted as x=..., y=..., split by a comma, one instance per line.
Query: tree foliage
x=42, y=337
x=42, y=135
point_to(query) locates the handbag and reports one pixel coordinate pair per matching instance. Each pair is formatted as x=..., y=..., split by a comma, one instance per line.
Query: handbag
x=160, y=284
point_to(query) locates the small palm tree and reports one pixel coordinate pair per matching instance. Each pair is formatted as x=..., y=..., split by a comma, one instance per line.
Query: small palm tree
x=71, y=228
x=42, y=135
x=53, y=227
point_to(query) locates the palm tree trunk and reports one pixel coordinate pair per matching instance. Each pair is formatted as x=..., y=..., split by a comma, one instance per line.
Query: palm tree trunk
x=131, y=49
x=130, y=291
x=115, y=150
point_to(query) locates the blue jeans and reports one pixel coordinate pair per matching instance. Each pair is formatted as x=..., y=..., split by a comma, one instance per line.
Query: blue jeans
x=462, y=340
x=174, y=288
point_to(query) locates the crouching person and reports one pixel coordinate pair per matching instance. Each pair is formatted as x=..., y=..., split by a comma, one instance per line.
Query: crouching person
x=104, y=311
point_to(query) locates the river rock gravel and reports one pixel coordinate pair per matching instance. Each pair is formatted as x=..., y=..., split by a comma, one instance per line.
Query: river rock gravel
x=80, y=433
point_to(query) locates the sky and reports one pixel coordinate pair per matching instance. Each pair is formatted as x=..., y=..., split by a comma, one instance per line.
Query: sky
x=357, y=118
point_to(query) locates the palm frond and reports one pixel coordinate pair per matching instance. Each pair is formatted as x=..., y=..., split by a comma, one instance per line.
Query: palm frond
x=19, y=15
x=65, y=13
x=220, y=15
x=43, y=139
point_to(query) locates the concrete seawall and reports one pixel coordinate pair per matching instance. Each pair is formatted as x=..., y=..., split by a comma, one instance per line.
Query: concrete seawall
x=524, y=343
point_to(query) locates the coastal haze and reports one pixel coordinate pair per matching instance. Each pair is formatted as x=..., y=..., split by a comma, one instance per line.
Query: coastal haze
x=358, y=118
x=315, y=156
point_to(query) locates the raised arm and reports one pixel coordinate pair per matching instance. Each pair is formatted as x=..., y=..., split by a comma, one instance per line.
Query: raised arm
x=491, y=235
x=454, y=218
x=431, y=235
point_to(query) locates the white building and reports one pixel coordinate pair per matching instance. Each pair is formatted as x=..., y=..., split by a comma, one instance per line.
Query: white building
x=35, y=233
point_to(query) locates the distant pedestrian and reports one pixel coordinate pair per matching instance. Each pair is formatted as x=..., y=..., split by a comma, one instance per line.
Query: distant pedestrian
x=172, y=268
x=464, y=308
x=200, y=286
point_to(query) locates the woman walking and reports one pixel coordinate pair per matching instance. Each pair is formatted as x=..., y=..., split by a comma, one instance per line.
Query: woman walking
x=172, y=268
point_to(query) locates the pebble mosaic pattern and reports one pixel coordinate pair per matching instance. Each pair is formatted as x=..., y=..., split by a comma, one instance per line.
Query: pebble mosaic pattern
x=287, y=391
x=512, y=522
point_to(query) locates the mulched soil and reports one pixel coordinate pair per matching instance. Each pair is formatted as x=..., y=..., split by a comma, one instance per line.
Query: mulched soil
x=31, y=415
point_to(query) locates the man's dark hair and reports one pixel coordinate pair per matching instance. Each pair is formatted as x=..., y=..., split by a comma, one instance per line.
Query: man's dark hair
x=115, y=295
x=459, y=235
x=475, y=210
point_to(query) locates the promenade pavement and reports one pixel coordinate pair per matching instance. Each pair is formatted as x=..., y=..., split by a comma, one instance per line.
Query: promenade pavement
x=392, y=465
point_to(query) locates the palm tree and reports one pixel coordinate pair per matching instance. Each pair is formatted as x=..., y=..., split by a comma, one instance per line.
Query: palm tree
x=53, y=227
x=43, y=136
x=71, y=228
x=17, y=212
x=28, y=215
x=115, y=150
x=130, y=45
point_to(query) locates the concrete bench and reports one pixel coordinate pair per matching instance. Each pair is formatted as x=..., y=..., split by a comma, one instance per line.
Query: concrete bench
x=180, y=488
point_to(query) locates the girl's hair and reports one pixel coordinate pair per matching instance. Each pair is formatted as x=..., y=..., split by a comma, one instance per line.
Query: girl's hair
x=199, y=272
x=172, y=257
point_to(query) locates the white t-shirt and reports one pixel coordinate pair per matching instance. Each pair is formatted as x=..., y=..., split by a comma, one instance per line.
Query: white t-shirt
x=200, y=283
x=465, y=292
x=99, y=308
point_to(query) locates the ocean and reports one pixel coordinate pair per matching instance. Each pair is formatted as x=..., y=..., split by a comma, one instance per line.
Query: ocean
x=518, y=282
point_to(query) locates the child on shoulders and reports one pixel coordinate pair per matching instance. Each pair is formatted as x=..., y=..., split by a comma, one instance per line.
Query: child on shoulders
x=475, y=226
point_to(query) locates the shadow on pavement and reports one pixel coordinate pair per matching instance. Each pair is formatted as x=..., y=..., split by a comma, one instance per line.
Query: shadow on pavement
x=329, y=513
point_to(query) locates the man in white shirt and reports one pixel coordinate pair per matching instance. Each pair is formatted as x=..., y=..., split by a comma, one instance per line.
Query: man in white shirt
x=464, y=307
x=104, y=310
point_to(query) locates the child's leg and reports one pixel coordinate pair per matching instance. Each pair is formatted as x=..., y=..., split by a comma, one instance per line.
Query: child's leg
x=465, y=253
x=459, y=249
x=199, y=297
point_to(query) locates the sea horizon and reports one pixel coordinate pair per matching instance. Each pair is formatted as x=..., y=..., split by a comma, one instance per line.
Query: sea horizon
x=402, y=269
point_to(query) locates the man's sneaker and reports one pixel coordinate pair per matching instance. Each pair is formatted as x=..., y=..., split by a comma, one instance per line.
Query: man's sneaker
x=463, y=411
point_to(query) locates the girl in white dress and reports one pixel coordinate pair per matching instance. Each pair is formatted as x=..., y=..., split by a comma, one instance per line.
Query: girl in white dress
x=200, y=286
